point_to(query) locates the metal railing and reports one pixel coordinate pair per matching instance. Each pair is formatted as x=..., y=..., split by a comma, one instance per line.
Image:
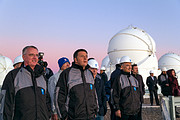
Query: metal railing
x=168, y=107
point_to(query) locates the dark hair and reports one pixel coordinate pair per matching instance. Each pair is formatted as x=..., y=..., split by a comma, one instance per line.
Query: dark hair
x=25, y=48
x=90, y=59
x=133, y=66
x=77, y=51
x=118, y=65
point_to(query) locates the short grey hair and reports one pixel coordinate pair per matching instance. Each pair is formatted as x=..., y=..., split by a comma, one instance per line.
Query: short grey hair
x=25, y=48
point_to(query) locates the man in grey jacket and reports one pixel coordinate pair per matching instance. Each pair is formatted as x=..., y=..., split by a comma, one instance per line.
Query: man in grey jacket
x=126, y=93
x=75, y=90
x=24, y=90
x=63, y=64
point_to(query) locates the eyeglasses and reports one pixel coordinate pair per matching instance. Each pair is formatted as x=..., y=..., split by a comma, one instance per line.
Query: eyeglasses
x=32, y=55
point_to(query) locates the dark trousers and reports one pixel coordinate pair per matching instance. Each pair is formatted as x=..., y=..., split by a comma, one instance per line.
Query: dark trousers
x=155, y=95
x=113, y=116
x=128, y=117
x=140, y=113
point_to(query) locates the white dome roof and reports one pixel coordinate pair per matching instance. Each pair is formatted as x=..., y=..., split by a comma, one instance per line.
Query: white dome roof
x=169, y=60
x=132, y=42
x=6, y=65
x=105, y=62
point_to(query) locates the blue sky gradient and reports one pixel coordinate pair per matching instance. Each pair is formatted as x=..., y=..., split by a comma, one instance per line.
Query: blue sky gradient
x=59, y=27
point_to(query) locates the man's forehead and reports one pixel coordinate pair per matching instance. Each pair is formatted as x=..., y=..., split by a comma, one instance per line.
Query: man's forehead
x=127, y=63
x=31, y=50
x=82, y=52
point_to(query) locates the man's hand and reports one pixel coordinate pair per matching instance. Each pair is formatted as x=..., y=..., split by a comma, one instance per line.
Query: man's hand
x=54, y=117
x=167, y=84
x=118, y=113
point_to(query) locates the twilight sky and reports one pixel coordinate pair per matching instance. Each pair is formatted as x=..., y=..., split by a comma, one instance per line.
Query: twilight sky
x=59, y=27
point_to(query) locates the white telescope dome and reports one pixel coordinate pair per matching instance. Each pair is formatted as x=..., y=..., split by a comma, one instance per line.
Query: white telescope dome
x=105, y=62
x=170, y=61
x=137, y=45
x=132, y=42
x=6, y=65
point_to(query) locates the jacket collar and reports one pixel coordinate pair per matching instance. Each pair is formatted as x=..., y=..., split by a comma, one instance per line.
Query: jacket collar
x=79, y=67
x=125, y=73
x=38, y=70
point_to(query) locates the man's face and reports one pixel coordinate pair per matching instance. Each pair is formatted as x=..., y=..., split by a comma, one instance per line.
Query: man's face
x=135, y=70
x=30, y=57
x=152, y=74
x=94, y=71
x=65, y=66
x=126, y=67
x=101, y=71
x=18, y=65
x=164, y=72
x=82, y=59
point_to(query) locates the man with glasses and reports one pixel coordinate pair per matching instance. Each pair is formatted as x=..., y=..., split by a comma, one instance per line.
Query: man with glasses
x=24, y=90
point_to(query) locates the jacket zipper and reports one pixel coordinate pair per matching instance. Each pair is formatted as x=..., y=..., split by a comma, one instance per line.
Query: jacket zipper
x=35, y=91
x=84, y=83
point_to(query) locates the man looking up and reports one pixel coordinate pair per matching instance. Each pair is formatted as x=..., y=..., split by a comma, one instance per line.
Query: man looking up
x=75, y=90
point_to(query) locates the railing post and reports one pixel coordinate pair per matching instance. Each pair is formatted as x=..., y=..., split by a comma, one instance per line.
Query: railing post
x=172, y=108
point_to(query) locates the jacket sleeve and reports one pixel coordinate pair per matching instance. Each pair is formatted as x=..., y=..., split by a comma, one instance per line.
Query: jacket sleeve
x=147, y=81
x=48, y=103
x=7, y=95
x=116, y=90
x=51, y=88
x=104, y=98
x=159, y=80
x=108, y=89
x=62, y=89
x=143, y=86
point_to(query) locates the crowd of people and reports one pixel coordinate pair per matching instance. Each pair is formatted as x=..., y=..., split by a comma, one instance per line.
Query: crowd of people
x=77, y=91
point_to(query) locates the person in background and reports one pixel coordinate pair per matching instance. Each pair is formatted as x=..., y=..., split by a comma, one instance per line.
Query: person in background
x=108, y=88
x=47, y=71
x=100, y=89
x=174, y=86
x=126, y=93
x=63, y=64
x=163, y=82
x=24, y=90
x=18, y=61
x=173, y=82
x=151, y=82
x=75, y=91
x=103, y=74
x=141, y=85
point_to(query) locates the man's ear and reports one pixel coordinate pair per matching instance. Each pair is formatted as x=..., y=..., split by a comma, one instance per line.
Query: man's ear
x=75, y=60
x=122, y=66
x=23, y=56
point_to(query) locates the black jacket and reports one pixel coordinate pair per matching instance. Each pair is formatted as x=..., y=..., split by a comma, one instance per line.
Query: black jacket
x=163, y=80
x=25, y=95
x=104, y=77
x=152, y=84
x=126, y=94
x=76, y=96
x=141, y=85
x=100, y=90
x=109, y=83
